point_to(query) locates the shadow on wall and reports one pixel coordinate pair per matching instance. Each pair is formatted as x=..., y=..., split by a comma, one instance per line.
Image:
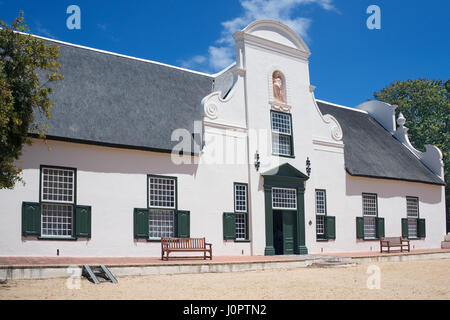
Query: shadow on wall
x=387, y=188
x=100, y=159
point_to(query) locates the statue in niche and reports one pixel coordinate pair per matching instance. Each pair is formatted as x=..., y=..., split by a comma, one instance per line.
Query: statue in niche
x=279, y=90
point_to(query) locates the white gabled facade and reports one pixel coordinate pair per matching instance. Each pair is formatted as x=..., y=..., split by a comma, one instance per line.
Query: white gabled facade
x=113, y=182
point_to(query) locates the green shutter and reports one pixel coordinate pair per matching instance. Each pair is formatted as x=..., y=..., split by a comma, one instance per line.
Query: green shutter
x=183, y=224
x=31, y=219
x=229, y=226
x=83, y=221
x=141, y=223
x=380, y=227
x=421, y=228
x=330, y=227
x=359, y=227
x=405, y=228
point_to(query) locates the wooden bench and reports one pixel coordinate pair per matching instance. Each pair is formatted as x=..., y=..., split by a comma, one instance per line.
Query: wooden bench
x=394, y=242
x=169, y=245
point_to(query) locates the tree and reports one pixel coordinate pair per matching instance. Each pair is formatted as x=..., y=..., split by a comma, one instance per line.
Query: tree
x=425, y=105
x=27, y=66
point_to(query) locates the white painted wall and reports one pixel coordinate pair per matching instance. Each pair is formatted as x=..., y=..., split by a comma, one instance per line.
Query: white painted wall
x=345, y=203
x=114, y=182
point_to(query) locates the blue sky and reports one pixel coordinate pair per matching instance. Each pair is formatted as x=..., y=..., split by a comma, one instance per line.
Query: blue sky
x=348, y=63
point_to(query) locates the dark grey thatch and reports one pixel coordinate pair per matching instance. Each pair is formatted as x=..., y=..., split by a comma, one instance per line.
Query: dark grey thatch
x=371, y=151
x=113, y=100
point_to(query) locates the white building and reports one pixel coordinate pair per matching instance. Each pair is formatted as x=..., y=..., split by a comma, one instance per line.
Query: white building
x=107, y=184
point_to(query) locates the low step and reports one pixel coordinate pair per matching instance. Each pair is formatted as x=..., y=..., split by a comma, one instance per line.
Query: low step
x=333, y=262
x=445, y=244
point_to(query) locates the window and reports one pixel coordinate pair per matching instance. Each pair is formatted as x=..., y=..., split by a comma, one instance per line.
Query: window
x=240, y=209
x=370, y=213
x=57, y=185
x=412, y=208
x=241, y=226
x=57, y=215
x=162, y=206
x=57, y=220
x=161, y=224
x=161, y=192
x=240, y=198
x=284, y=198
x=325, y=224
x=321, y=212
x=281, y=134
x=57, y=200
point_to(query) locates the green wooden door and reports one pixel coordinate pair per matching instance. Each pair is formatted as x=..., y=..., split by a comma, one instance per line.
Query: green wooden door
x=289, y=230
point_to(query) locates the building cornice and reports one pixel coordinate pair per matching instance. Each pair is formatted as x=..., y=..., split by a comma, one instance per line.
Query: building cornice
x=262, y=43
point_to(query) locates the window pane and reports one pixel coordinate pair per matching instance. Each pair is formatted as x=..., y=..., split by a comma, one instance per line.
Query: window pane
x=240, y=197
x=370, y=229
x=412, y=228
x=56, y=220
x=161, y=192
x=57, y=185
x=283, y=198
x=281, y=144
x=241, y=226
x=320, y=225
x=412, y=205
x=370, y=205
x=320, y=202
x=281, y=123
x=161, y=223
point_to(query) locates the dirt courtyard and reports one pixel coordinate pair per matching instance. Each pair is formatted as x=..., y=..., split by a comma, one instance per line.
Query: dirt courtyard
x=429, y=279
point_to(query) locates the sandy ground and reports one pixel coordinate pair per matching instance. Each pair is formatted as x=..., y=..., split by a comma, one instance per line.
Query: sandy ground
x=399, y=280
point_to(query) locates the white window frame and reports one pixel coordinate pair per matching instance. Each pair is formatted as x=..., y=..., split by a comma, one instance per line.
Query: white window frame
x=370, y=215
x=320, y=224
x=236, y=205
x=412, y=213
x=277, y=133
x=161, y=212
x=43, y=187
x=321, y=212
x=149, y=179
x=290, y=190
x=241, y=225
x=54, y=217
x=47, y=219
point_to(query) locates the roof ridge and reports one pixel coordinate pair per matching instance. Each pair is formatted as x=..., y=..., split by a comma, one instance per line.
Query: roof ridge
x=341, y=106
x=121, y=55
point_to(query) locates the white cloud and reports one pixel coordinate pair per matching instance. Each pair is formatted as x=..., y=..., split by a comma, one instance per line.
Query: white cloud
x=220, y=57
x=193, y=62
x=40, y=30
x=221, y=54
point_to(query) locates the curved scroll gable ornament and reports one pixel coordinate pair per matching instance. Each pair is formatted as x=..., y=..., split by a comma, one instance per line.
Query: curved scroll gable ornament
x=336, y=129
x=431, y=158
x=279, y=87
x=211, y=111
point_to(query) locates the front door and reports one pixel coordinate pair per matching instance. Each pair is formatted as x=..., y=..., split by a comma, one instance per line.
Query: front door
x=289, y=230
x=278, y=232
x=284, y=229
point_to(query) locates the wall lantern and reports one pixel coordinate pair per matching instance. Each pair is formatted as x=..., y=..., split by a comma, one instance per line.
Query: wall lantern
x=257, y=162
x=308, y=166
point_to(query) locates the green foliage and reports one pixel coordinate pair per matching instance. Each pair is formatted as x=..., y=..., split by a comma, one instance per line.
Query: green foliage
x=22, y=92
x=425, y=105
